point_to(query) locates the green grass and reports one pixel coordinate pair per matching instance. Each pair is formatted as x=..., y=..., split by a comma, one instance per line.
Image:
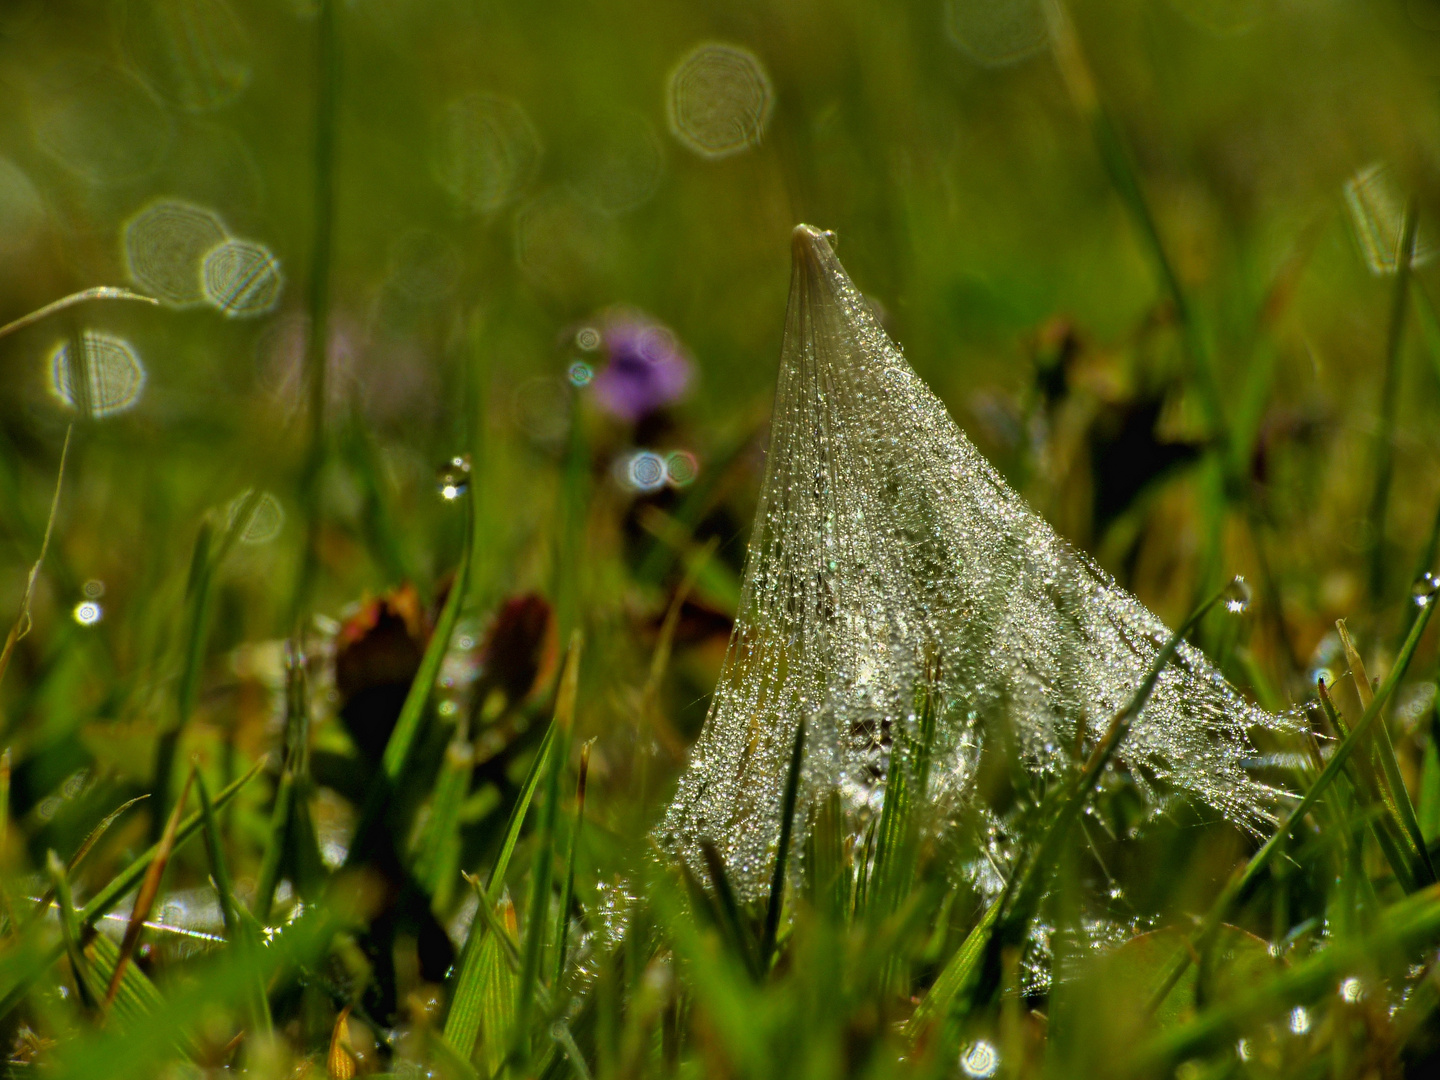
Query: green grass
x=471, y=881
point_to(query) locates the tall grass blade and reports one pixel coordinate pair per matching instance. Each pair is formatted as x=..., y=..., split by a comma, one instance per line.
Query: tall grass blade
x=1023, y=892
x=149, y=890
x=239, y=925
x=732, y=920
x=462, y=1022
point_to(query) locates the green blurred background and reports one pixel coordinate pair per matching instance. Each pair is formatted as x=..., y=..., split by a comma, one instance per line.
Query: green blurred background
x=507, y=176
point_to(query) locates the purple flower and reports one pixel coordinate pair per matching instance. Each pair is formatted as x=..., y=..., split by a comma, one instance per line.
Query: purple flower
x=646, y=369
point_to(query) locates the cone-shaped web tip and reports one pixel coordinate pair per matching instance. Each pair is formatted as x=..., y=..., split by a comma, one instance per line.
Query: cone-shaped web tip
x=811, y=245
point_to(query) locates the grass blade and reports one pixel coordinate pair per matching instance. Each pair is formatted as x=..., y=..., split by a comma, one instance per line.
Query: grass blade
x=542, y=873
x=98, y=292
x=567, y=898
x=22, y=976
x=70, y=931
x=412, y=714
x=149, y=890
x=777, y=882
x=1384, y=449
x=238, y=925
x=22, y=621
x=462, y=1022
x=1399, y=795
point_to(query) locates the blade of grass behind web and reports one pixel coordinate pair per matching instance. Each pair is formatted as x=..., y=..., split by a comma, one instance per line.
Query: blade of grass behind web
x=1240, y=887
x=787, y=821
x=317, y=338
x=1005, y=922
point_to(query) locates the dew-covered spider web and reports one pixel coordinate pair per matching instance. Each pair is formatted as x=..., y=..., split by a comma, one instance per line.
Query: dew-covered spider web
x=885, y=548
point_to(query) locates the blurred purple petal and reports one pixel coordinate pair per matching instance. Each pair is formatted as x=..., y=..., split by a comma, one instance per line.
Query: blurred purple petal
x=646, y=368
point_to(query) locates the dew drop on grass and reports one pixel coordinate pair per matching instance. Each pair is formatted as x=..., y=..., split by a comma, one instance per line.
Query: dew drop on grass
x=719, y=100
x=241, y=278
x=884, y=542
x=1424, y=589
x=165, y=245
x=452, y=479
x=1237, y=596
x=112, y=373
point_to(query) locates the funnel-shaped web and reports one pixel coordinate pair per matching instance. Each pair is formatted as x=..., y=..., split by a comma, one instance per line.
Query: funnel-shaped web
x=886, y=547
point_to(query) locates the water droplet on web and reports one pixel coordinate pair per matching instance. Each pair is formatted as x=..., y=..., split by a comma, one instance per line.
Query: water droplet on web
x=719, y=100
x=1425, y=588
x=88, y=613
x=241, y=278
x=165, y=245
x=1299, y=1020
x=587, y=338
x=452, y=479
x=1351, y=989
x=93, y=589
x=111, y=372
x=580, y=373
